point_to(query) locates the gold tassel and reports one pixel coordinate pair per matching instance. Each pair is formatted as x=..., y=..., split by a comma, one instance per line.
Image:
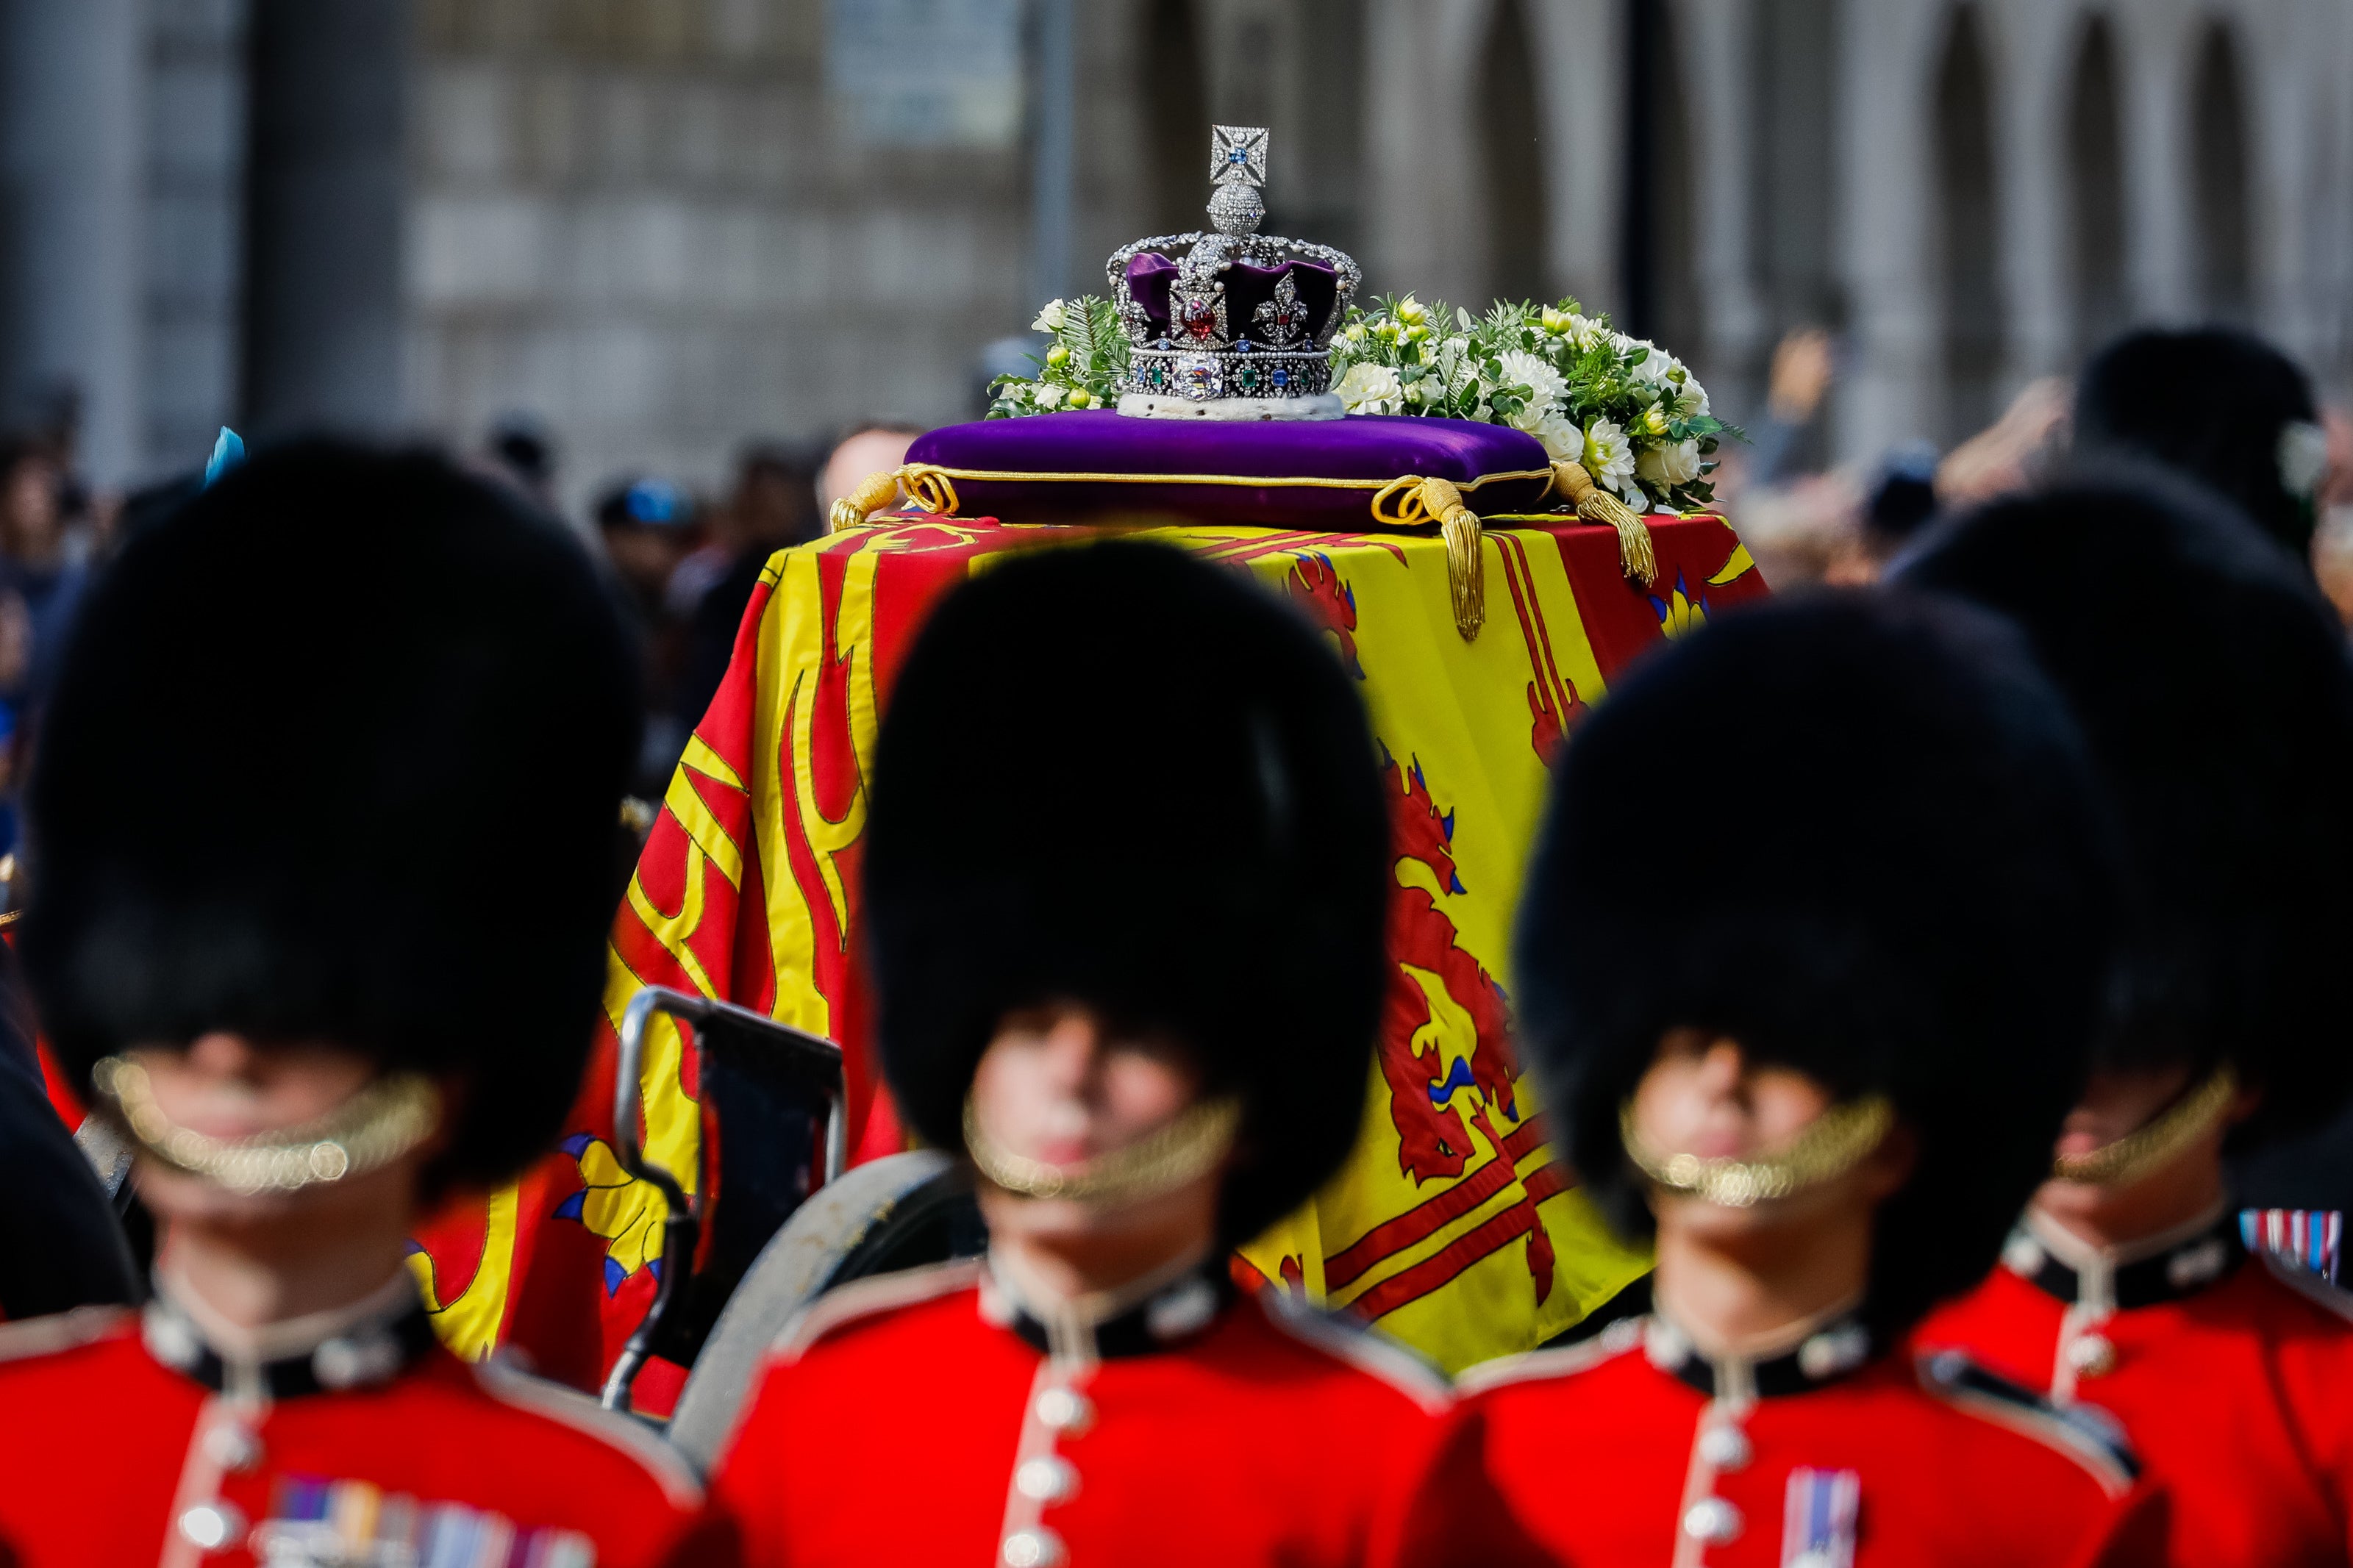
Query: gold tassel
x=927, y=487
x=1412, y=501
x=1636, y=555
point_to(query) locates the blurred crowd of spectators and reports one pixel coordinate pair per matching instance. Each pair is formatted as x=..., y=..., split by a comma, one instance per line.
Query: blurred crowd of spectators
x=686, y=562
x=1807, y=520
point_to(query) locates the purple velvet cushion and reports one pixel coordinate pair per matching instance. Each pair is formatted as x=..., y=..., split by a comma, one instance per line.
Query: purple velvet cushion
x=1292, y=473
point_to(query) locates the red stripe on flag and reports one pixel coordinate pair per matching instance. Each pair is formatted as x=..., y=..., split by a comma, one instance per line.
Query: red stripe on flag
x=1417, y=1224
x=1548, y=1179
x=1525, y=1138
x=1434, y=1214
x=1410, y=1285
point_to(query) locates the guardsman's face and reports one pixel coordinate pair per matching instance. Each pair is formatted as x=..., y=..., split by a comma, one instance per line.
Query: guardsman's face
x=2117, y=1103
x=1705, y=1095
x=1060, y=1084
x=225, y=1085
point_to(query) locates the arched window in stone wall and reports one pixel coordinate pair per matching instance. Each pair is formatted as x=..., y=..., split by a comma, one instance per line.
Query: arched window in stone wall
x=2095, y=192
x=1967, y=227
x=1659, y=294
x=1512, y=156
x=1177, y=115
x=2221, y=237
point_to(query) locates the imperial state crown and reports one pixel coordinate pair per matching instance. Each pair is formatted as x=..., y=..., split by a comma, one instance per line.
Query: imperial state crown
x=1240, y=326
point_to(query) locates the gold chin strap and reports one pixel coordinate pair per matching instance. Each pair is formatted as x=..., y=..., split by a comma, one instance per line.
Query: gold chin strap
x=1179, y=1154
x=2155, y=1142
x=1832, y=1144
x=383, y=1121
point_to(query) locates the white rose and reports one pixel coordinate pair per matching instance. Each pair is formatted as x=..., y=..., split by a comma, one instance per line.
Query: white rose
x=1692, y=402
x=1523, y=369
x=1371, y=389
x=1048, y=395
x=1609, y=456
x=1669, y=466
x=1651, y=369
x=1049, y=319
x=1562, y=441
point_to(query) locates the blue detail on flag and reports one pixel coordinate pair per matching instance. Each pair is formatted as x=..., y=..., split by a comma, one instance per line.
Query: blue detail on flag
x=1457, y=1077
x=614, y=1275
x=570, y=1208
x=577, y=1142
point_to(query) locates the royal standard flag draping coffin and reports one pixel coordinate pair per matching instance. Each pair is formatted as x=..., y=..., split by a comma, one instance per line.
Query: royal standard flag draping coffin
x=1453, y=1228
x=1458, y=512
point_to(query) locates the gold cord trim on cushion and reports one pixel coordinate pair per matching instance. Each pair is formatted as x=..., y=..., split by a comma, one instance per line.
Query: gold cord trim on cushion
x=1412, y=501
x=927, y=486
x=1636, y=555
x=1253, y=481
x=2155, y=1142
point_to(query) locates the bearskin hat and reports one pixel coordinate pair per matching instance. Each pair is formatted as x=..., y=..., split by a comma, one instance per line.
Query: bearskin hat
x=1117, y=775
x=2212, y=685
x=1875, y=856
x=336, y=754
x=2214, y=404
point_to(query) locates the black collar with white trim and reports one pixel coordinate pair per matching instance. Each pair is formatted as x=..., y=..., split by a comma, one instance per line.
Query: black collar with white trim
x=2177, y=1263
x=1811, y=1355
x=1150, y=1316
x=361, y=1346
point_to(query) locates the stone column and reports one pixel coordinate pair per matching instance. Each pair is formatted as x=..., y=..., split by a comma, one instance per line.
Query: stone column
x=2031, y=46
x=2154, y=69
x=1582, y=67
x=1718, y=47
x=1887, y=181
x=1423, y=201
x=70, y=90
x=324, y=301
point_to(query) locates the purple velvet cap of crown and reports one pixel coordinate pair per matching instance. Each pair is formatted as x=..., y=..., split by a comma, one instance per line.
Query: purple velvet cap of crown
x=1150, y=275
x=1375, y=447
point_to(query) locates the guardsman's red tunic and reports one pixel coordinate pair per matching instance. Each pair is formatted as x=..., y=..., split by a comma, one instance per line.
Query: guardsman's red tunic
x=350, y=1439
x=2232, y=1377
x=927, y=1419
x=1638, y=1449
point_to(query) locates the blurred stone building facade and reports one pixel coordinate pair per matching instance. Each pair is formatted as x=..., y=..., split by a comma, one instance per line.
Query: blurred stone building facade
x=669, y=226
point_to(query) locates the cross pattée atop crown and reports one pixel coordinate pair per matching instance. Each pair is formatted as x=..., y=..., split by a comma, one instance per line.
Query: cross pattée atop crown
x=1240, y=315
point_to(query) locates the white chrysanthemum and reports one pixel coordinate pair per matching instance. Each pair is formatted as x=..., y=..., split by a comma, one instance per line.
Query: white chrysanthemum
x=1666, y=467
x=1371, y=389
x=1586, y=333
x=1608, y=456
x=1521, y=368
